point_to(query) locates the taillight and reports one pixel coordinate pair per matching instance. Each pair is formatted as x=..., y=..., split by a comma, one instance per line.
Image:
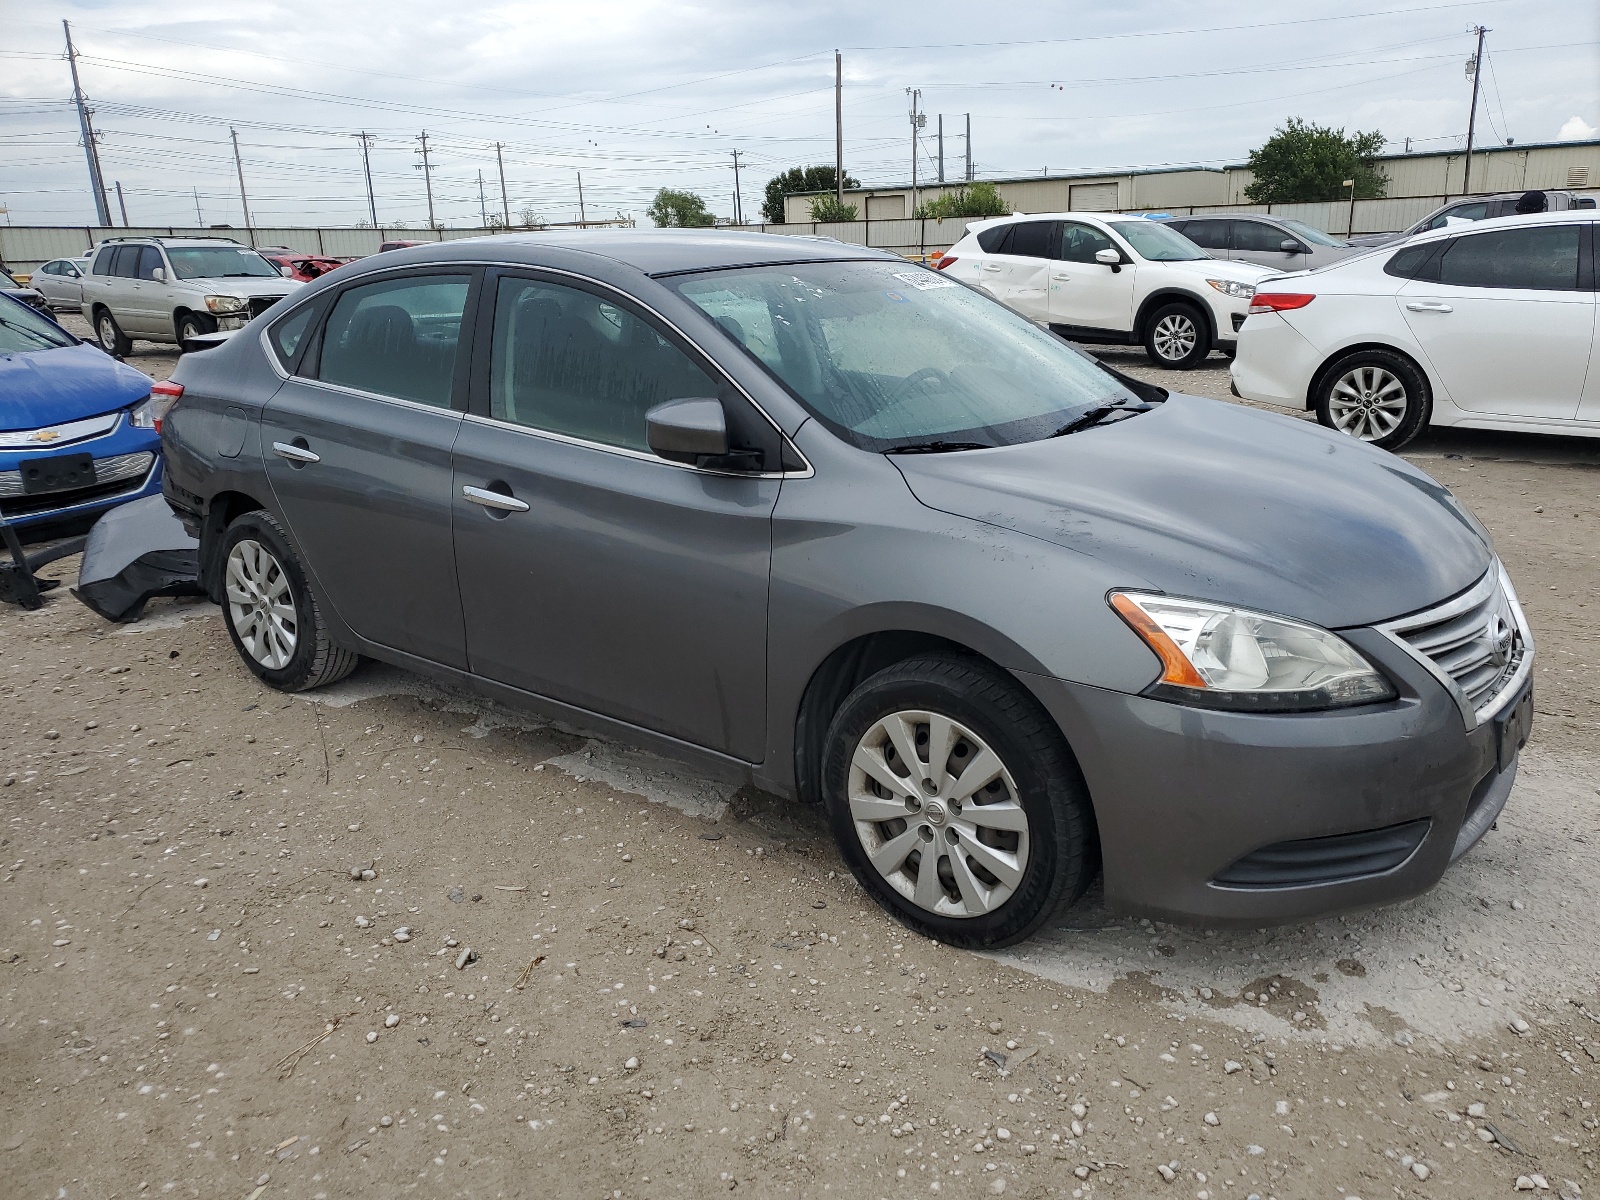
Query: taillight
x=1265, y=302
x=163, y=396
x=943, y=261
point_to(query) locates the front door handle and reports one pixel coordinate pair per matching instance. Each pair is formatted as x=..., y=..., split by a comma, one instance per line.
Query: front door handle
x=1429, y=306
x=295, y=454
x=1062, y=278
x=497, y=500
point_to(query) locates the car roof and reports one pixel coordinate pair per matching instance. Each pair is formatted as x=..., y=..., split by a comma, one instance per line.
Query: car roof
x=1223, y=216
x=652, y=251
x=1567, y=216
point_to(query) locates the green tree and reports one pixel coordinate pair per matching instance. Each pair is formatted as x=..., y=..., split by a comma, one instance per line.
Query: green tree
x=828, y=208
x=976, y=200
x=797, y=179
x=1304, y=161
x=679, y=210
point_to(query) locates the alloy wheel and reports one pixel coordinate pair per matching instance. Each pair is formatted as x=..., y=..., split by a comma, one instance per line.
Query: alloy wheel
x=938, y=814
x=107, y=330
x=261, y=604
x=1175, y=336
x=1367, y=402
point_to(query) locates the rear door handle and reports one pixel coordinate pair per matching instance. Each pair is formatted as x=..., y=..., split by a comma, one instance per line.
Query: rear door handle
x=1429, y=306
x=295, y=454
x=991, y=266
x=498, y=500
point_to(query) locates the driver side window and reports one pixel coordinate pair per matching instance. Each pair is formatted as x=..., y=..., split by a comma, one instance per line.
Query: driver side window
x=1080, y=243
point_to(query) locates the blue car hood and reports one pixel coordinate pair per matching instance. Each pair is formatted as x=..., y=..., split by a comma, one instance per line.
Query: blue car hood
x=1220, y=502
x=49, y=387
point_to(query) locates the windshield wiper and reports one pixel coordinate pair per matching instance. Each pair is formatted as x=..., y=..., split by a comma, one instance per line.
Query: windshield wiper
x=1097, y=414
x=937, y=447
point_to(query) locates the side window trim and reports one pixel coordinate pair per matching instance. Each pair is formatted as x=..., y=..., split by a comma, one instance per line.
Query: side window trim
x=311, y=358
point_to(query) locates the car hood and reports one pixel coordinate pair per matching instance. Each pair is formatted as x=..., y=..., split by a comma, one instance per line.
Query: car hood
x=50, y=387
x=1220, y=268
x=246, y=285
x=1215, y=501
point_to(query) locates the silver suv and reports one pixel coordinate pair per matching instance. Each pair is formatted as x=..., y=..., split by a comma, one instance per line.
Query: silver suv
x=172, y=289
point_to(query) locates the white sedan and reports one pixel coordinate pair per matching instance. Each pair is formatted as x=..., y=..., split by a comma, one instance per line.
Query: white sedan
x=1490, y=326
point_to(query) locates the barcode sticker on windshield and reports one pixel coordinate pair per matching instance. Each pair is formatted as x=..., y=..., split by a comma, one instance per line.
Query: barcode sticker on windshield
x=923, y=281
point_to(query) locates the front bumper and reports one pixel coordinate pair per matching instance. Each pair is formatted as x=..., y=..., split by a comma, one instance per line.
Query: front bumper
x=1206, y=817
x=122, y=448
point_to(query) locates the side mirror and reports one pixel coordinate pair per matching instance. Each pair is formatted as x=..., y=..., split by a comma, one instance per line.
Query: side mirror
x=1290, y=246
x=286, y=272
x=687, y=430
x=1111, y=258
x=159, y=274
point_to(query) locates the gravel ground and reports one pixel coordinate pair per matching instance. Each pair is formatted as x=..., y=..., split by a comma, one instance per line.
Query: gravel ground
x=677, y=991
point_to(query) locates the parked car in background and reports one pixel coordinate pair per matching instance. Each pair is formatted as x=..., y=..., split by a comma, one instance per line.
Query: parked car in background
x=400, y=245
x=172, y=289
x=77, y=429
x=1488, y=326
x=60, y=282
x=23, y=294
x=1109, y=279
x=293, y=264
x=833, y=524
x=1481, y=208
x=1276, y=242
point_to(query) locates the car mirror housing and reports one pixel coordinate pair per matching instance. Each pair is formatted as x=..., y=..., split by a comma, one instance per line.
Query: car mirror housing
x=1290, y=246
x=159, y=274
x=687, y=430
x=1111, y=258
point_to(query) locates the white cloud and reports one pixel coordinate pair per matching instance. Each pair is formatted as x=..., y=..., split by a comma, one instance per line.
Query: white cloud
x=1577, y=130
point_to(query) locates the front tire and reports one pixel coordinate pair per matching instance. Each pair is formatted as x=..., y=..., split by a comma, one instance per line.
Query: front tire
x=193, y=325
x=109, y=336
x=1375, y=396
x=956, y=802
x=272, y=617
x=1177, y=337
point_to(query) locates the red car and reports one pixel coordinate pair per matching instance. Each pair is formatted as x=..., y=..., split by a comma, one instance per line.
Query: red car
x=304, y=267
x=400, y=245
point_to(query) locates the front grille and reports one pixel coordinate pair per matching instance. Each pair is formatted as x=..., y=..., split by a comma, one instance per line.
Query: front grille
x=1479, y=642
x=1336, y=859
x=260, y=304
x=112, y=476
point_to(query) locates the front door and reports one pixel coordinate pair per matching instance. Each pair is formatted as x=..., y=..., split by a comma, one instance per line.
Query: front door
x=593, y=572
x=358, y=452
x=1262, y=244
x=1085, y=293
x=1506, y=324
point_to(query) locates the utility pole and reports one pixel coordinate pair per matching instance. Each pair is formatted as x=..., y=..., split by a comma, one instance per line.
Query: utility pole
x=427, y=177
x=738, y=207
x=366, y=166
x=238, y=165
x=941, y=147
x=505, y=204
x=200, y=222
x=967, y=141
x=583, y=216
x=122, y=204
x=838, y=129
x=483, y=209
x=917, y=122
x=1475, y=69
x=91, y=148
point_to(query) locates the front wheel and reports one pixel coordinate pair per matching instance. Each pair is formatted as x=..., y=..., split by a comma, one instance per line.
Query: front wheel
x=1376, y=396
x=956, y=802
x=109, y=335
x=1177, y=337
x=193, y=325
x=272, y=617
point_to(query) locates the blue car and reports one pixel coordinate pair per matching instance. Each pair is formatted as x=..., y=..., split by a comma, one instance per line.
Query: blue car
x=78, y=429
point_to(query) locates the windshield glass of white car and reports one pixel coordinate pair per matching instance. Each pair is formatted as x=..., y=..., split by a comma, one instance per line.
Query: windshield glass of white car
x=218, y=262
x=891, y=356
x=1157, y=242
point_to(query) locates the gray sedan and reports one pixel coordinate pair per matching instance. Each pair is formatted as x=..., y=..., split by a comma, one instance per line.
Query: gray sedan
x=830, y=523
x=1277, y=242
x=60, y=282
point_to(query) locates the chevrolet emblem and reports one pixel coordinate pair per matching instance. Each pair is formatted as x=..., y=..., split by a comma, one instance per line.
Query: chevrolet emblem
x=44, y=435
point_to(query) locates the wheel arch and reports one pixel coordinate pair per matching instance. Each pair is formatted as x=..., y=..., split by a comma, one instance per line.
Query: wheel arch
x=221, y=511
x=1169, y=294
x=1320, y=375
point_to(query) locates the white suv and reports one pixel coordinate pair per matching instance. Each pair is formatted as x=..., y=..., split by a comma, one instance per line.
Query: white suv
x=1487, y=326
x=1105, y=278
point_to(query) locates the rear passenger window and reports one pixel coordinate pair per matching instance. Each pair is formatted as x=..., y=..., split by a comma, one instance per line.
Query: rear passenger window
x=1032, y=239
x=1542, y=259
x=993, y=240
x=397, y=338
x=126, y=263
x=1208, y=235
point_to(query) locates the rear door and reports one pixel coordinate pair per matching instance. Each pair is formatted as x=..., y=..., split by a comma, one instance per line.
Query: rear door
x=147, y=297
x=1210, y=234
x=592, y=571
x=357, y=445
x=1508, y=320
x=1085, y=293
x=1018, y=275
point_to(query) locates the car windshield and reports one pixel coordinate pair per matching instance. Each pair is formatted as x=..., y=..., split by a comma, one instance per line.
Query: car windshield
x=1313, y=235
x=1156, y=242
x=891, y=355
x=22, y=329
x=218, y=262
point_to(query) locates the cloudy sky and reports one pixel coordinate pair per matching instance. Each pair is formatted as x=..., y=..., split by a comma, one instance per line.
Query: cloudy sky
x=641, y=94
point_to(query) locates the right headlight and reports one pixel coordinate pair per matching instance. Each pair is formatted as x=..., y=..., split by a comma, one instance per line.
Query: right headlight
x=1218, y=656
x=227, y=304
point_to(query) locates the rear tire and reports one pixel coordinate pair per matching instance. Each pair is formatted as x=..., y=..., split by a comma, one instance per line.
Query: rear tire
x=921, y=842
x=272, y=617
x=109, y=336
x=1376, y=396
x=1177, y=337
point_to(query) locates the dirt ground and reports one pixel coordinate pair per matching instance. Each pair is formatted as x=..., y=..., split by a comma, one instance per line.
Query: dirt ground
x=576, y=970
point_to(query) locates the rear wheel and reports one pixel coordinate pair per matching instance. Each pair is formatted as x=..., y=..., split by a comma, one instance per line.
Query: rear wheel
x=272, y=617
x=1376, y=396
x=956, y=802
x=109, y=334
x=1177, y=337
